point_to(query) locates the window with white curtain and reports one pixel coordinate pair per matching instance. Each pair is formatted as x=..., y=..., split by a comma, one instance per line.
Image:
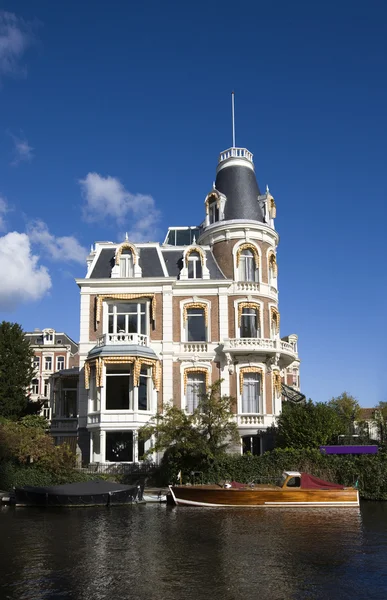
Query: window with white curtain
x=249, y=327
x=251, y=393
x=196, y=387
x=247, y=270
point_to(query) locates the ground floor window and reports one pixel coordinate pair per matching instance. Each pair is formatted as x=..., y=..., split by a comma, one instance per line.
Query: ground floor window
x=119, y=446
x=251, y=444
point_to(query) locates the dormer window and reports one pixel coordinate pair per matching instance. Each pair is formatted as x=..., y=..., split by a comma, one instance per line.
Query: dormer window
x=247, y=270
x=194, y=266
x=126, y=263
x=213, y=211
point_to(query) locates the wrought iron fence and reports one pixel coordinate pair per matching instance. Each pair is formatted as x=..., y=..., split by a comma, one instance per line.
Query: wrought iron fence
x=145, y=468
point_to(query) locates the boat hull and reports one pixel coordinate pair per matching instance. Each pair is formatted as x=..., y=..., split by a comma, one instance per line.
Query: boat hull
x=76, y=495
x=275, y=497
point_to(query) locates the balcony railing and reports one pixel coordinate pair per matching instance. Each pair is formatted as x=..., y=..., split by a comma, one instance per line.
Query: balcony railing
x=138, y=339
x=256, y=344
x=250, y=419
x=65, y=424
x=235, y=153
x=195, y=347
x=247, y=286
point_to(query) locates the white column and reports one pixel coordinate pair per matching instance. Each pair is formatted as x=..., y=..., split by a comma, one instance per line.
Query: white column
x=167, y=362
x=223, y=334
x=91, y=447
x=103, y=446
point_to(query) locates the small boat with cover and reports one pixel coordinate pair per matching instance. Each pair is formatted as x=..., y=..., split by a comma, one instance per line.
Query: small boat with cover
x=295, y=490
x=90, y=493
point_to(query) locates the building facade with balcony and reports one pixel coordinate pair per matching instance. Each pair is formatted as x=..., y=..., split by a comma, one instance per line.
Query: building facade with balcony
x=53, y=351
x=161, y=322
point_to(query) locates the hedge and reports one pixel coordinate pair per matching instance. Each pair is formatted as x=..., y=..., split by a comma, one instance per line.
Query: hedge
x=15, y=475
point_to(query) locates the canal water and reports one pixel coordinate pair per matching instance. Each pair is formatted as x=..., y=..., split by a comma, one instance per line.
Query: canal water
x=155, y=552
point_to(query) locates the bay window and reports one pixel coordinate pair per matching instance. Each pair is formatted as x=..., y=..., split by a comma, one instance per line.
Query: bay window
x=144, y=389
x=119, y=387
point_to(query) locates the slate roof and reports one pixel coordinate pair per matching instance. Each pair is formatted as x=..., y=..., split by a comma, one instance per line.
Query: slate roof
x=239, y=184
x=150, y=263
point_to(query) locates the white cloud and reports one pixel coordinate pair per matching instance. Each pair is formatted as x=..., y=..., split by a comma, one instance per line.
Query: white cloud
x=64, y=249
x=3, y=211
x=107, y=197
x=22, y=150
x=15, y=37
x=22, y=278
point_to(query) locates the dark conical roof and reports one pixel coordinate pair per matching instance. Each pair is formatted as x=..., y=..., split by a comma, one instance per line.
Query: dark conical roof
x=236, y=179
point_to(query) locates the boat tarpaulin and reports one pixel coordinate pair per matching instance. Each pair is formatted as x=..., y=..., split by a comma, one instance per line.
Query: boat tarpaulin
x=311, y=482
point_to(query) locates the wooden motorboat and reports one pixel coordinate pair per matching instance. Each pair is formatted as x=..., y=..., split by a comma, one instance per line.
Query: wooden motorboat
x=296, y=490
x=90, y=493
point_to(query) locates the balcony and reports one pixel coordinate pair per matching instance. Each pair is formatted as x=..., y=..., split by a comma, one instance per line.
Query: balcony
x=249, y=420
x=194, y=347
x=124, y=339
x=64, y=424
x=265, y=346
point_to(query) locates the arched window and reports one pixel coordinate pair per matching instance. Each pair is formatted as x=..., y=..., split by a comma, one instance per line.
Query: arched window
x=126, y=263
x=272, y=268
x=274, y=322
x=247, y=270
x=249, y=321
x=251, y=393
x=195, y=266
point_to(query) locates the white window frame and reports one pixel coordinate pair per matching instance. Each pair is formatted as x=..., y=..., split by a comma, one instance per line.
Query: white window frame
x=107, y=313
x=46, y=388
x=35, y=386
x=206, y=328
x=57, y=362
x=198, y=376
x=50, y=358
x=194, y=259
x=126, y=265
x=36, y=363
x=242, y=266
x=262, y=401
x=259, y=330
x=149, y=391
x=213, y=211
x=128, y=373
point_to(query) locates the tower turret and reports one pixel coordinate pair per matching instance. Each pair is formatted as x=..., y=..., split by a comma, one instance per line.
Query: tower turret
x=236, y=180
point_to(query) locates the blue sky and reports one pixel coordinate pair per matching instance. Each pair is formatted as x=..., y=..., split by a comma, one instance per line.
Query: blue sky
x=119, y=99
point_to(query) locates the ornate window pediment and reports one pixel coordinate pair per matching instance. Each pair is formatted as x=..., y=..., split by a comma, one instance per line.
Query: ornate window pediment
x=273, y=267
x=194, y=263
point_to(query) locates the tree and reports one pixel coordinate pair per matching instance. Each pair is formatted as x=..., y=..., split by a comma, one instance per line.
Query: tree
x=307, y=425
x=347, y=409
x=380, y=420
x=189, y=440
x=16, y=371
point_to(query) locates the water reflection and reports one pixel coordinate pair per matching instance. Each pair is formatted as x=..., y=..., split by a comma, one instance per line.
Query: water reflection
x=156, y=552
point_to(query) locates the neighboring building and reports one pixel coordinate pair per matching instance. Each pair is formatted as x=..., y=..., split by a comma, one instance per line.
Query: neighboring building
x=53, y=352
x=161, y=322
